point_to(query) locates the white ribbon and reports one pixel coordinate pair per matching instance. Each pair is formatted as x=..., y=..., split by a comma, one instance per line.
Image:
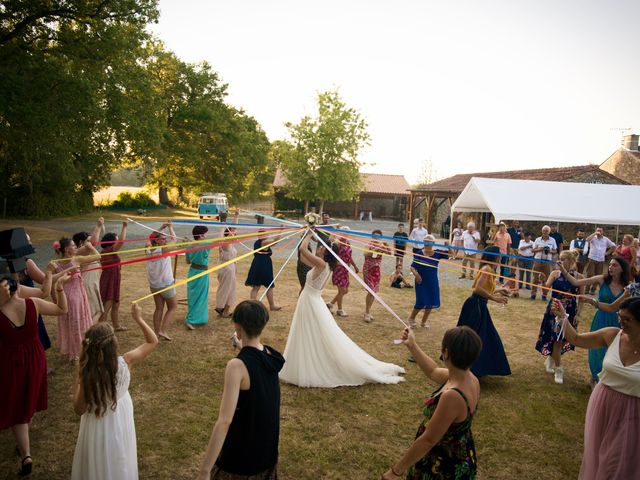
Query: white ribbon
x=362, y=282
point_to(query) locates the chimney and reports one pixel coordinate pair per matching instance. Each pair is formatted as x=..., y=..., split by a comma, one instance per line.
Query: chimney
x=630, y=142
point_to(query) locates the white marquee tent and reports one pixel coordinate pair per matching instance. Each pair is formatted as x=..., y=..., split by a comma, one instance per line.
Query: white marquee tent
x=551, y=201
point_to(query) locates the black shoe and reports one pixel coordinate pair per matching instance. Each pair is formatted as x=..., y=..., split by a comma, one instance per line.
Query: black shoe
x=25, y=468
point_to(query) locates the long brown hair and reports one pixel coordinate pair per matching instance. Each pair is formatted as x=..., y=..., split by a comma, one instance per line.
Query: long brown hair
x=99, y=368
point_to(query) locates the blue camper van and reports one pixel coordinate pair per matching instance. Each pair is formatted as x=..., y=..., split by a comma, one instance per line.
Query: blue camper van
x=212, y=204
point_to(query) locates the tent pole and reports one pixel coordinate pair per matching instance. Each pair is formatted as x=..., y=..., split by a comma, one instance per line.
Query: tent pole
x=617, y=233
x=451, y=228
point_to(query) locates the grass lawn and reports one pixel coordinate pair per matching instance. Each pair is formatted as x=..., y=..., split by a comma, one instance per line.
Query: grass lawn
x=525, y=424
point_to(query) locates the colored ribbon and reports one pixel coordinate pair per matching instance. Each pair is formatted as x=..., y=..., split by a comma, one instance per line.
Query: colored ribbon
x=213, y=269
x=282, y=268
x=361, y=281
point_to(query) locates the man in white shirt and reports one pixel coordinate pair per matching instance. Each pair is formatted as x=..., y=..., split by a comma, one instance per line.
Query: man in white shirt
x=470, y=241
x=525, y=260
x=418, y=234
x=544, y=247
x=599, y=247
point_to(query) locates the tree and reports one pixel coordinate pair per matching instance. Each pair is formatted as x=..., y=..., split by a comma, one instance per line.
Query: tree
x=205, y=143
x=322, y=163
x=69, y=80
x=427, y=173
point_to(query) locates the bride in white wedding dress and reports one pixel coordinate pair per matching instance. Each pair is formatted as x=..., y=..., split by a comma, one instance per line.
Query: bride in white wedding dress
x=318, y=352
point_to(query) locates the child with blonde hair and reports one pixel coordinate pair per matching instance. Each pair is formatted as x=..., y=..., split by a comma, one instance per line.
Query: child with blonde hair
x=106, y=447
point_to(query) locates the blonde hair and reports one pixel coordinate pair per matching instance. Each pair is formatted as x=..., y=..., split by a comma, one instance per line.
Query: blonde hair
x=572, y=255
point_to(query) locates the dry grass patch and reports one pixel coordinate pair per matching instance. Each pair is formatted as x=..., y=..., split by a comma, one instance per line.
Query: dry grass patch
x=525, y=424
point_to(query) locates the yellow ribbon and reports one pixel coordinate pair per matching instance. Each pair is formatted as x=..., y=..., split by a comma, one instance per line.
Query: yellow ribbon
x=213, y=269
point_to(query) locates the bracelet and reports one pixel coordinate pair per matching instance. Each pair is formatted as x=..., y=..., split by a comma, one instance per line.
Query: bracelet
x=595, y=302
x=396, y=473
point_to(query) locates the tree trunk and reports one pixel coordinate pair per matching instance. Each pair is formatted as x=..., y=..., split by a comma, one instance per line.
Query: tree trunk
x=163, y=195
x=180, y=194
x=306, y=207
x=321, y=209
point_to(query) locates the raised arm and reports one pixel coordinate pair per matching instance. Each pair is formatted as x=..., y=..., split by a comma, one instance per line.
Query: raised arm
x=123, y=236
x=232, y=382
x=308, y=258
x=597, y=339
x=141, y=352
x=613, y=306
x=97, y=230
x=580, y=282
x=430, y=368
x=34, y=272
x=60, y=307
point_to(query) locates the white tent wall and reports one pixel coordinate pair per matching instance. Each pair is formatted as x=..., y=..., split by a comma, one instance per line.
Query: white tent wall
x=534, y=200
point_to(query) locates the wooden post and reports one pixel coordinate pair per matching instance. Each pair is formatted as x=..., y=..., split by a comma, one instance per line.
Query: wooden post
x=355, y=213
x=430, y=200
x=410, y=211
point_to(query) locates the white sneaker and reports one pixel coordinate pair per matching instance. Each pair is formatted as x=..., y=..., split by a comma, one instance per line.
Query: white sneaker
x=559, y=374
x=549, y=364
x=368, y=318
x=341, y=313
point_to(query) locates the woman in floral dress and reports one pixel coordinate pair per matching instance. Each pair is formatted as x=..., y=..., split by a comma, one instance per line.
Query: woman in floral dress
x=340, y=275
x=371, y=269
x=444, y=446
x=549, y=342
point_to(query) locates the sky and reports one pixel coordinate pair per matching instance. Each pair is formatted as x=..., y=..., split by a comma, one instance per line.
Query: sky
x=446, y=87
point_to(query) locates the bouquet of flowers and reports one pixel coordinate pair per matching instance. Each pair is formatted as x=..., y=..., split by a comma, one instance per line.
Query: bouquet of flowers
x=312, y=219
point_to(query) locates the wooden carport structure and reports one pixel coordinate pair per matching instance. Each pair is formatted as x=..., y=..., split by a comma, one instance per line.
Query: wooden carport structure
x=433, y=197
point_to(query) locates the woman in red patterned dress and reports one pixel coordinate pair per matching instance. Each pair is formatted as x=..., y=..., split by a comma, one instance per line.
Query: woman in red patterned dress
x=371, y=269
x=340, y=276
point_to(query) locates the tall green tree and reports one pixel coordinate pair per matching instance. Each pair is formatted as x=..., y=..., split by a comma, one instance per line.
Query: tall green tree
x=206, y=144
x=69, y=97
x=322, y=163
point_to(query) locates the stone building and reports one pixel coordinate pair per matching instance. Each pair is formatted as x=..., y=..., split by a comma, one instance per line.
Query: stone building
x=385, y=196
x=625, y=162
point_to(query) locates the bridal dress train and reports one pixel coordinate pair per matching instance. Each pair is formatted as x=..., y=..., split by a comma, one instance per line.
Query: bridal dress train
x=320, y=354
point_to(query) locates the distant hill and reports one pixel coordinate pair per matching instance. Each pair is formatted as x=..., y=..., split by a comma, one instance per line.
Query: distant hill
x=125, y=177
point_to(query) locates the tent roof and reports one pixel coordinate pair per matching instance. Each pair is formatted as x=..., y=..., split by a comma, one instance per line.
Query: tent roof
x=551, y=201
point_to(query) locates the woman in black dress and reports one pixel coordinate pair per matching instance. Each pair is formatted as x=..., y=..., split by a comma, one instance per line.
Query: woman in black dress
x=261, y=272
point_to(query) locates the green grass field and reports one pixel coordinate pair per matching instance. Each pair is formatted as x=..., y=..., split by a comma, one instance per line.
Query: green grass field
x=525, y=424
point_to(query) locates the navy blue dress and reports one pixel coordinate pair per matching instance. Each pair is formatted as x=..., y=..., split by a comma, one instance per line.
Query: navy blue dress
x=547, y=335
x=428, y=292
x=261, y=270
x=492, y=359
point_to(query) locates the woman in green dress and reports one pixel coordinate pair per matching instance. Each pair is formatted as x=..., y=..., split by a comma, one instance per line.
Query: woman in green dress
x=198, y=289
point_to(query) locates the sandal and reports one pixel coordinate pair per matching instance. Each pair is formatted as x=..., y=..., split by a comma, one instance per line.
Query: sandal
x=219, y=310
x=25, y=468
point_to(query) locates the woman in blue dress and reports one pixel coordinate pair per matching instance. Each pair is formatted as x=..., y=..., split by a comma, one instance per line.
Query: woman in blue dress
x=612, y=286
x=425, y=272
x=261, y=272
x=549, y=343
x=198, y=289
x=475, y=314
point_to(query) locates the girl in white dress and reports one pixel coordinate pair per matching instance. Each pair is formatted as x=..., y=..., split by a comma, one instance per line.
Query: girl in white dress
x=106, y=447
x=318, y=353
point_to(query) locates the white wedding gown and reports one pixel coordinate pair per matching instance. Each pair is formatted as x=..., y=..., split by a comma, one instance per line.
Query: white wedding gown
x=320, y=354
